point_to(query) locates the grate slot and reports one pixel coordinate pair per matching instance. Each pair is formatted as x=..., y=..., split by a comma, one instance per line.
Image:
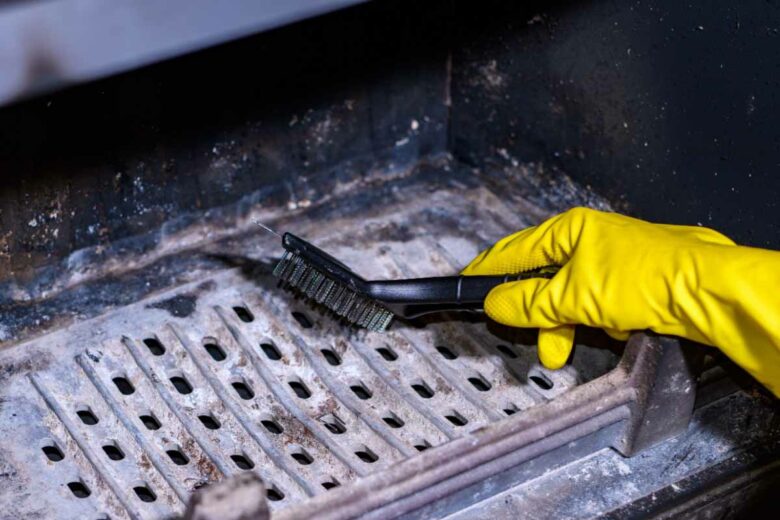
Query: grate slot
x=447, y=353
x=209, y=421
x=331, y=483
x=113, y=452
x=361, y=391
x=479, y=382
x=150, y=421
x=177, y=456
x=155, y=346
x=333, y=424
x=299, y=387
x=79, y=489
x=244, y=314
x=392, y=420
x=331, y=356
x=272, y=426
x=242, y=461
x=53, y=452
x=144, y=493
x=243, y=390
x=541, y=380
x=87, y=416
x=387, y=353
x=506, y=351
x=270, y=351
x=181, y=384
x=214, y=349
x=274, y=494
x=124, y=385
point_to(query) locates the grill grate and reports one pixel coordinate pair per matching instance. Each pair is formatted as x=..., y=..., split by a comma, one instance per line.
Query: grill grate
x=125, y=415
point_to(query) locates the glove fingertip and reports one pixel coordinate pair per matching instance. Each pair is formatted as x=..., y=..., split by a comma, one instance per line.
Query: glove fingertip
x=555, y=346
x=617, y=334
x=511, y=303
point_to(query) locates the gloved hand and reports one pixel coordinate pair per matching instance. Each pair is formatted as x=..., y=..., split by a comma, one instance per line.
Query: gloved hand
x=623, y=274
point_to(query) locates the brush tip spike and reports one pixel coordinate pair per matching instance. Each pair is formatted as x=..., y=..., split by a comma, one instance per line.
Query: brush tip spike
x=318, y=287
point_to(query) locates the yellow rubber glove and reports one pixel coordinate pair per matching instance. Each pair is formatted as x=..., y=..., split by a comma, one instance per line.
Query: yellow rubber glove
x=623, y=274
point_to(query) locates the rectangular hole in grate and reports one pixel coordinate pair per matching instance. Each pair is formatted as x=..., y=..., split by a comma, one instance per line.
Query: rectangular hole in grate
x=302, y=320
x=243, y=390
x=270, y=351
x=86, y=416
x=457, y=419
x=155, y=346
x=331, y=483
x=209, y=421
x=242, y=461
x=301, y=456
x=361, y=390
x=177, y=456
x=506, y=351
x=365, y=454
x=479, y=382
x=214, y=350
x=392, y=420
x=422, y=445
x=53, y=453
x=446, y=353
x=331, y=357
x=150, y=421
x=541, y=380
x=113, y=451
x=511, y=409
x=387, y=353
x=333, y=423
x=144, y=492
x=79, y=489
x=300, y=389
x=273, y=493
x=272, y=425
x=243, y=314
x=124, y=385
x=422, y=389
x=181, y=384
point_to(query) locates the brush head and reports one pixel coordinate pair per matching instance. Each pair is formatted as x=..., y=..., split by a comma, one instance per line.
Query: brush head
x=320, y=278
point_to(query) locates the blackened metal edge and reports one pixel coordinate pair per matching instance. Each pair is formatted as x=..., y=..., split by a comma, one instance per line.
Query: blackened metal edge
x=631, y=392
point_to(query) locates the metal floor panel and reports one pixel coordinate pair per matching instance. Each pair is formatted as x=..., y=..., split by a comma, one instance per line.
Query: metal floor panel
x=126, y=414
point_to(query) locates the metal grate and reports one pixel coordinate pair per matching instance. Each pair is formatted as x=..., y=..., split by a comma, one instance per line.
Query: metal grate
x=125, y=415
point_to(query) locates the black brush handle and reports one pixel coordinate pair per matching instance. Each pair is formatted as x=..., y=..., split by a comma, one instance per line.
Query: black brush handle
x=415, y=297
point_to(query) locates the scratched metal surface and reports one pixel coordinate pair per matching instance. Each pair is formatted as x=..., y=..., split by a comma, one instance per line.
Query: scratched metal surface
x=124, y=415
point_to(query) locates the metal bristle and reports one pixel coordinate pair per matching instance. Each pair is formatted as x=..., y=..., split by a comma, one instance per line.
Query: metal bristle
x=343, y=301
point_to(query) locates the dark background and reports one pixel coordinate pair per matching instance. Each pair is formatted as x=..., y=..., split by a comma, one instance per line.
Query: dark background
x=669, y=110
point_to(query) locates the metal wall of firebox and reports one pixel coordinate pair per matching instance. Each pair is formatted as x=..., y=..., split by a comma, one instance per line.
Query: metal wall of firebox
x=667, y=109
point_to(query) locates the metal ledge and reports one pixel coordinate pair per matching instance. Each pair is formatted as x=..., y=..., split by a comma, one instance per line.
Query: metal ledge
x=48, y=45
